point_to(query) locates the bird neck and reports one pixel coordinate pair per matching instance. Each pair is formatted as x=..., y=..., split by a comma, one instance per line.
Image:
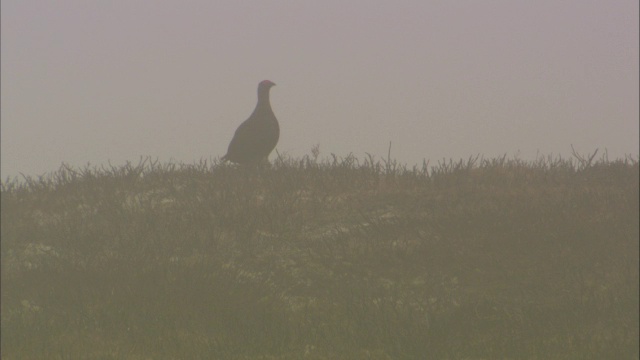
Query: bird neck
x=263, y=100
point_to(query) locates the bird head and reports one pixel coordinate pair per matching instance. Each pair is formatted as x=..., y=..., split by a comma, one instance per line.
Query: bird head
x=265, y=84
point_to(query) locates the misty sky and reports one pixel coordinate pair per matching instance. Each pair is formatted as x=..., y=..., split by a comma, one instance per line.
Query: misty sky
x=97, y=81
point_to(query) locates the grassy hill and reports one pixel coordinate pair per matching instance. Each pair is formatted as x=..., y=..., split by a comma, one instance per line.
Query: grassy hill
x=333, y=259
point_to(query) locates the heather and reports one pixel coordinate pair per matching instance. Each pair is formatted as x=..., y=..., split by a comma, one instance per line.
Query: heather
x=323, y=259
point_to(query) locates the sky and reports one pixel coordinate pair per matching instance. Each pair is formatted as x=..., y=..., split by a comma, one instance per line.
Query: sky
x=97, y=82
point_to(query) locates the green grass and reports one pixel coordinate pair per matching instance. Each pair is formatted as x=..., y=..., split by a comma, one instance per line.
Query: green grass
x=333, y=259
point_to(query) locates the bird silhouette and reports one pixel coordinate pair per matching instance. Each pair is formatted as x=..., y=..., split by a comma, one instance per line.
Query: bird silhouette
x=257, y=136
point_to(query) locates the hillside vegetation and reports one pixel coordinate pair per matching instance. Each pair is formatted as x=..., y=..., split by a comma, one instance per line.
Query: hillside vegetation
x=324, y=259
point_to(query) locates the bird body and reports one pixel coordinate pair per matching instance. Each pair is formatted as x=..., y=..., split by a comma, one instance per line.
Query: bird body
x=257, y=136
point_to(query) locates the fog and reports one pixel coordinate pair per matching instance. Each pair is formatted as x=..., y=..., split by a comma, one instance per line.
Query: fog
x=111, y=81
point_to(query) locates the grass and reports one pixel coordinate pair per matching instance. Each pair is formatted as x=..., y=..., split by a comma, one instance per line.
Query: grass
x=324, y=259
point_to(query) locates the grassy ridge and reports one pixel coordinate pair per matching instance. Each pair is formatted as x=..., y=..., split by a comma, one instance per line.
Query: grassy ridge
x=323, y=259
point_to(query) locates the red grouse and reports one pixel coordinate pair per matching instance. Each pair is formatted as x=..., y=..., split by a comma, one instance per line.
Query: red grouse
x=257, y=136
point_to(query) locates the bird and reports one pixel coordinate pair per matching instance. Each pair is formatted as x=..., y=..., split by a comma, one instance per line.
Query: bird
x=257, y=136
